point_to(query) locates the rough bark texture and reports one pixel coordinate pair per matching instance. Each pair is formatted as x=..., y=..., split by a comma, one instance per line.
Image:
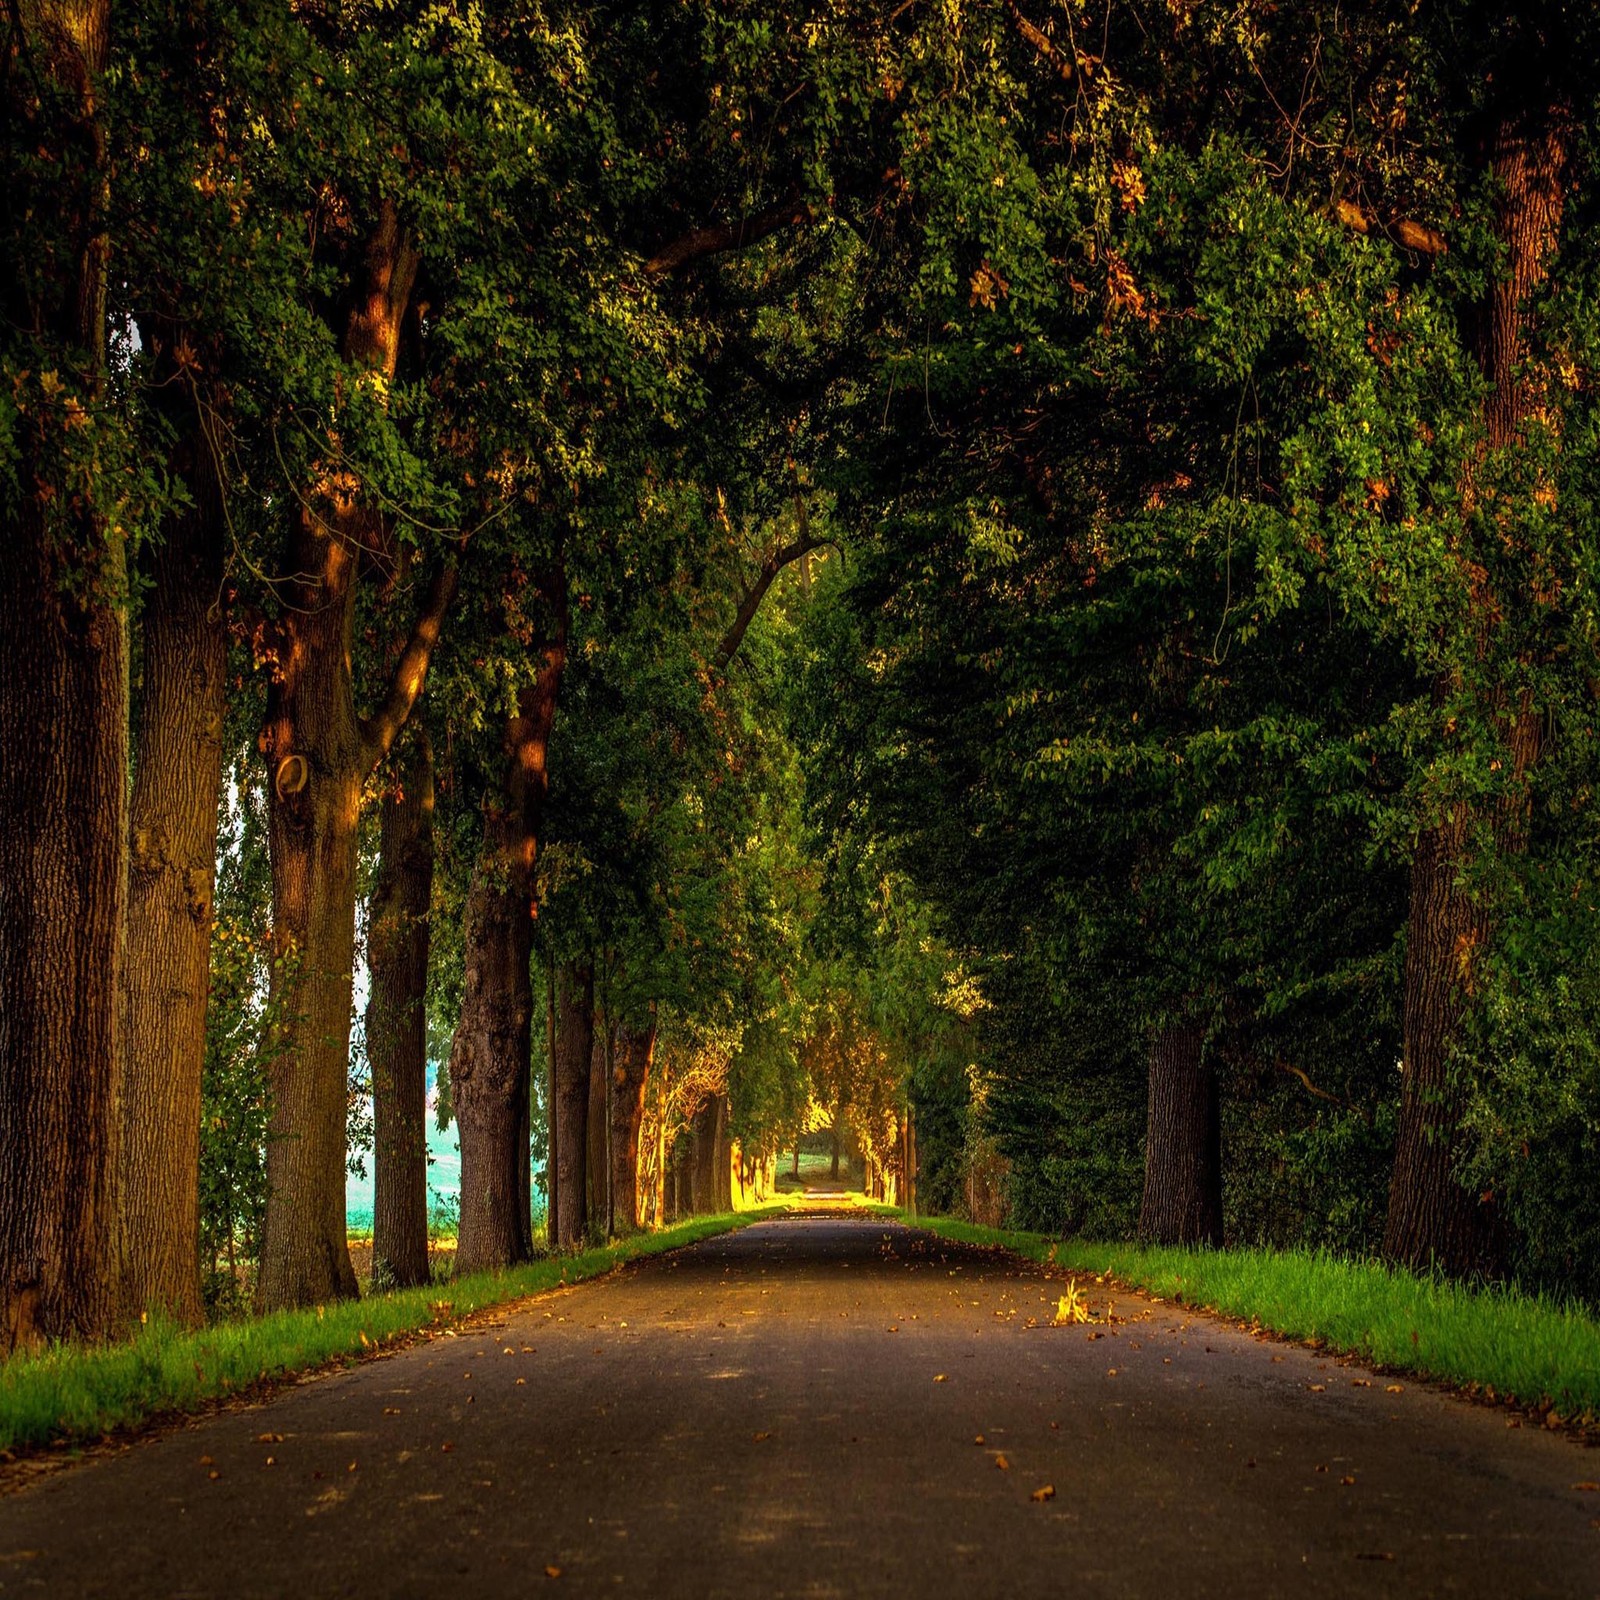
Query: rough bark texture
x=703, y=1157
x=1433, y=1219
x=63, y=729
x=320, y=753
x=176, y=787
x=633, y=1053
x=1182, y=1201
x=396, y=1023
x=491, y=1056
x=574, y=1053
x=599, y=1160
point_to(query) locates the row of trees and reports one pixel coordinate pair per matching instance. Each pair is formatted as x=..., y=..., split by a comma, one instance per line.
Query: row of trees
x=392, y=470
x=422, y=430
x=1221, y=649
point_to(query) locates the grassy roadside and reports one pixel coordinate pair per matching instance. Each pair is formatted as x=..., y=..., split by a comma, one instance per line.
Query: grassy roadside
x=1499, y=1343
x=77, y=1393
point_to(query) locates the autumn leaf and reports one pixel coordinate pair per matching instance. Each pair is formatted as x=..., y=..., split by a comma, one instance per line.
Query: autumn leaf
x=1002, y=1463
x=1045, y=1491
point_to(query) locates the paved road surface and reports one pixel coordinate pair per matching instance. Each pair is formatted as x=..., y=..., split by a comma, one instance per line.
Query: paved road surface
x=821, y=1408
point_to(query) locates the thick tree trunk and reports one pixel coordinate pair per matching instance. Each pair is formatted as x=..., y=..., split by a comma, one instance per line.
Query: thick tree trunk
x=63, y=713
x=550, y=1224
x=1433, y=1220
x=598, y=1160
x=397, y=1024
x=838, y=1140
x=491, y=1057
x=1183, y=1142
x=703, y=1158
x=632, y=1054
x=176, y=789
x=319, y=755
x=908, y=1162
x=574, y=1053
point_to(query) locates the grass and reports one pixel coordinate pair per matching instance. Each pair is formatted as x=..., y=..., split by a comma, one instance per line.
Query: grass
x=71, y=1394
x=1523, y=1349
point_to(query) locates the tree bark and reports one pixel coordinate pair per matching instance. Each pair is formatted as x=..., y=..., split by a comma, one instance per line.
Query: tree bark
x=63, y=713
x=176, y=790
x=632, y=1056
x=1434, y=1221
x=722, y=1170
x=838, y=1138
x=703, y=1158
x=1183, y=1142
x=320, y=753
x=574, y=1051
x=491, y=1056
x=397, y=1024
x=598, y=1160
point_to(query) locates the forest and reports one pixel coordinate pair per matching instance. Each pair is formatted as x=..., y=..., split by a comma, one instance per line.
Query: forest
x=1011, y=583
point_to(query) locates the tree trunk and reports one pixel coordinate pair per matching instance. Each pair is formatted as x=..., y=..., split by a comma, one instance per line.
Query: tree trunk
x=1433, y=1220
x=491, y=1056
x=722, y=1194
x=176, y=790
x=319, y=755
x=1183, y=1142
x=574, y=1050
x=550, y=1227
x=396, y=1024
x=63, y=712
x=796, y=1168
x=598, y=1160
x=838, y=1138
x=703, y=1158
x=633, y=1053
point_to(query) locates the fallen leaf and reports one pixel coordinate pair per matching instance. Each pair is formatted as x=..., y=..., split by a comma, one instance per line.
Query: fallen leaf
x=894, y=1329
x=1348, y=1478
x=206, y=1461
x=1588, y=1486
x=391, y=1411
x=213, y=1474
x=1046, y=1491
x=1319, y=1388
x=1002, y=1463
x=447, y=1447
x=521, y=1381
x=761, y=1438
x=1394, y=1388
x=978, y=1439
x=552, y=1572
x=1111, y=1372
x=939, y=1377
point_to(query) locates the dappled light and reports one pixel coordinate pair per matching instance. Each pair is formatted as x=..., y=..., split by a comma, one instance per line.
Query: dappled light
x=799, y=802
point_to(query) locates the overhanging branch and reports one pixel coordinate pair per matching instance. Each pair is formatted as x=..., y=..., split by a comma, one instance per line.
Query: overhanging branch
x=723, y=237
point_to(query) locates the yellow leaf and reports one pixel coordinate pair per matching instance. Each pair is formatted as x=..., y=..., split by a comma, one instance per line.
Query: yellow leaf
x=1002, y=1463
x=1044, y=1492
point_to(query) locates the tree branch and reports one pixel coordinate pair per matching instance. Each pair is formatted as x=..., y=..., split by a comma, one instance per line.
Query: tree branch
x=1040, y=43
x=1413, y=235
x=722, y=237
x=780, y=558
x=382, y=728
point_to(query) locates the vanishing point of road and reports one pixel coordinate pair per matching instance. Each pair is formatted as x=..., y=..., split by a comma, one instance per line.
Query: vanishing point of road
x=825, y=1406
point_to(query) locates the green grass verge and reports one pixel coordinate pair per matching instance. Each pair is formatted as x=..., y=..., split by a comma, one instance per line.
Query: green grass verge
x=1510, y=1346
x=74, y=1393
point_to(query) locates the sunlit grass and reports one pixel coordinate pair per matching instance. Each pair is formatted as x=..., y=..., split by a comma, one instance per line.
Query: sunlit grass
x=74, y=1393
x=1513, y=1346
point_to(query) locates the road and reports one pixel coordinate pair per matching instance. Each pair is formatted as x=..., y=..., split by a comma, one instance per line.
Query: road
x=826, y=1407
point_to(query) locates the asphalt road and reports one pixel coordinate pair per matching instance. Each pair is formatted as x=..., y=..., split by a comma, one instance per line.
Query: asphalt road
x=830, y=1407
